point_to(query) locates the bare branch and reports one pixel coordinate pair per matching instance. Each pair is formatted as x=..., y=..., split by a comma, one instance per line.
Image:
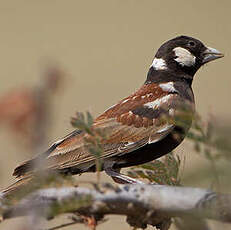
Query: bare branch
x=142, y=204
x=63, y=225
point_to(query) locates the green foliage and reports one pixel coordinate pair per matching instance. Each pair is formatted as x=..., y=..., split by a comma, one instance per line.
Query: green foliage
x=161, y=171
x=211, y=142
x=93, y=142
x=209, y=139
x=83, y=122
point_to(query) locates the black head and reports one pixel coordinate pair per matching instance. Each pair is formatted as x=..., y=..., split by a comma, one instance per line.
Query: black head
x=183, y=56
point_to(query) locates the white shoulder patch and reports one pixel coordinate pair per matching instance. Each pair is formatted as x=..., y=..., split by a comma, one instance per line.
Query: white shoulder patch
x=168, y=87
x=159, y=64
x=158, y=102
x=184, y=57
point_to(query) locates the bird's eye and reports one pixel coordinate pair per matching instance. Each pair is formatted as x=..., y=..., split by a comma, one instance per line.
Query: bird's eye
x=192, y=44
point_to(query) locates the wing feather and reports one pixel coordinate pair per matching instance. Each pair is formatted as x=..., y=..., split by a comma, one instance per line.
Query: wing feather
x=125, y=132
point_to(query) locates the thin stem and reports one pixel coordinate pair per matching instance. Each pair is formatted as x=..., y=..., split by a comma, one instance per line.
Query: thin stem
x=63, y=225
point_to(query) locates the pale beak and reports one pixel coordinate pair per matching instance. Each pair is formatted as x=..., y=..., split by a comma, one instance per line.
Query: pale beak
x=211, y=54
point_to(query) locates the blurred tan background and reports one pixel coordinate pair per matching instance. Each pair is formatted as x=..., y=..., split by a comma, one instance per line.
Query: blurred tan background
x=106, y=47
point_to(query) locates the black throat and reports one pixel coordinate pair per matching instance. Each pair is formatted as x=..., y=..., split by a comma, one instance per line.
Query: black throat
x=162, y=76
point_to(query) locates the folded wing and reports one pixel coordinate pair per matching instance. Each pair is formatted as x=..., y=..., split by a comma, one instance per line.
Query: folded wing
x=129, y=125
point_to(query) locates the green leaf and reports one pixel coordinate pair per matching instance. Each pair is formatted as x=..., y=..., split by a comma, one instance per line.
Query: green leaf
x=163, y=171
x=90, y=119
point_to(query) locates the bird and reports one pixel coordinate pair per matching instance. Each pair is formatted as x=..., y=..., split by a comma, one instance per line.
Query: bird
x=141, y=127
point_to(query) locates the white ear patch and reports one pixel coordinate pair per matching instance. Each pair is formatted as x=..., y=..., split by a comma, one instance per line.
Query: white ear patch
x=159, y=64
x=184, y=57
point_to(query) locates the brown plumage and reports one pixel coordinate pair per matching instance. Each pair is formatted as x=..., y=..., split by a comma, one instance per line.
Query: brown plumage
x=135, y=128
x=122, y=126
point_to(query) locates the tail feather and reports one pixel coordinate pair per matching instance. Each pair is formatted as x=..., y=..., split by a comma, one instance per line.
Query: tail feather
x=25, y=168
x=30, y=165
x=15, y=188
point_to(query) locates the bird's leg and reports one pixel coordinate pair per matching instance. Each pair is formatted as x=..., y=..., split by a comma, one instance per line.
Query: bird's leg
x=121, y=178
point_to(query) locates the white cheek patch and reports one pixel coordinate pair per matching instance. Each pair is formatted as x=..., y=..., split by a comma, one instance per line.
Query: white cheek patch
x=159, y=64
x=184, y=57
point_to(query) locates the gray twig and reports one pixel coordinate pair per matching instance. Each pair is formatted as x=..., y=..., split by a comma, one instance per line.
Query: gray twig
x=142, y=204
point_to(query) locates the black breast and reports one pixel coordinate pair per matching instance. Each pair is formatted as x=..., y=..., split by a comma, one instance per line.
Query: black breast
x=151, y=152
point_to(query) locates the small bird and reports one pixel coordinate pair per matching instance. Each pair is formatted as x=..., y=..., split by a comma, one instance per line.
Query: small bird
x=143, y=126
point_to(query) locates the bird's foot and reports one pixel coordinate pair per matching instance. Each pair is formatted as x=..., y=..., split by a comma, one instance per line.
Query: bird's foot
x=121, y=178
